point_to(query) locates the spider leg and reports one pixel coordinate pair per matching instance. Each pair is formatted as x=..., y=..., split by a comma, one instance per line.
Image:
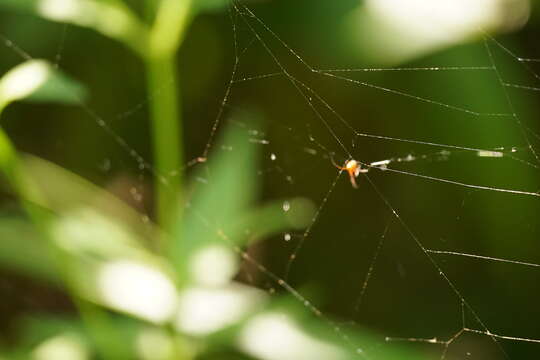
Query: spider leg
x=353, y=180
x=334, y=163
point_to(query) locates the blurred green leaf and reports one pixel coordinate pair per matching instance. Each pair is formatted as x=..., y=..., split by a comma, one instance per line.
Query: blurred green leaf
x=38, y=81
x=66, y=193
x=24, y=250
x=104, y=244
x=59, y=88
x=258, y=326
x=65, y=345
x=270, y=219
x=110, y=18
x=35, y=329
x=230, y=189
x=38, y=329
x=221, y=212
x=209, y=310
x=307, y=336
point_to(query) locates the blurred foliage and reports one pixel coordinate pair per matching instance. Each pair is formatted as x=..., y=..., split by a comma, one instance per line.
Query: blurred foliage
x=94, y=247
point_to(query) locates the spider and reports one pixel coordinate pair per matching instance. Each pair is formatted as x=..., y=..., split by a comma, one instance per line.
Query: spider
x=354, y=168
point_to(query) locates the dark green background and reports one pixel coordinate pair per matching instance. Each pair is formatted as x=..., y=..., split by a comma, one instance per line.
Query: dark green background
x=406, y=296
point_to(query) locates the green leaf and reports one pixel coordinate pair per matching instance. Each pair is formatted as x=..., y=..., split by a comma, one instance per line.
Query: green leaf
x=226, y=196
x=221, y=215
x=105, y=255
x=270, y=219
x=24, y=250
x=99, y=245
x=38, y=81
x=40, y=332
x=66, y=193
x=38, y=327
x=124, y=338
x=110, y=18
x=312, y=337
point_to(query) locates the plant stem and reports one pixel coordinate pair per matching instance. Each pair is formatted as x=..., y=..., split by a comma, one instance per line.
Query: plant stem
x=165, y=38
x=167, y=137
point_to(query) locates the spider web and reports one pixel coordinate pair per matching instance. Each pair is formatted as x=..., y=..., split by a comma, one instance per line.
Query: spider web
x=402, y=268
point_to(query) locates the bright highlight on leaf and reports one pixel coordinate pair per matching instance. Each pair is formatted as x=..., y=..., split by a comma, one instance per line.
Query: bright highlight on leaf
x=137, y=289
x=61, y=347
x=154, y=344
x=24, y=80
x=213, y=265
x=108, y=19
x=275, y=336
x=206, y=310
x=60, y=10
x=38, y=81
x=400, y=29
x=85, y=231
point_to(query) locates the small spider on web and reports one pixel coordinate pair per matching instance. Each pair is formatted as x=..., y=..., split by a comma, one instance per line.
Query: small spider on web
x=354, y=168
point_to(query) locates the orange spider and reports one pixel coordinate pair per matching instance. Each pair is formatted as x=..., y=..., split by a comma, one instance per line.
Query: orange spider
x=354, y=168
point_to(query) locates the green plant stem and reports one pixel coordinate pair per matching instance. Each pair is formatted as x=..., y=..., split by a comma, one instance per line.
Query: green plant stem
x=167, y=137
x=166, y=36
x=171, y=22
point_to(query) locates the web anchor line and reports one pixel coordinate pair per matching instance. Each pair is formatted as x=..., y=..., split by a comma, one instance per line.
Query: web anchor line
x=515, y=116
x=370, y=270
x=489, y=258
